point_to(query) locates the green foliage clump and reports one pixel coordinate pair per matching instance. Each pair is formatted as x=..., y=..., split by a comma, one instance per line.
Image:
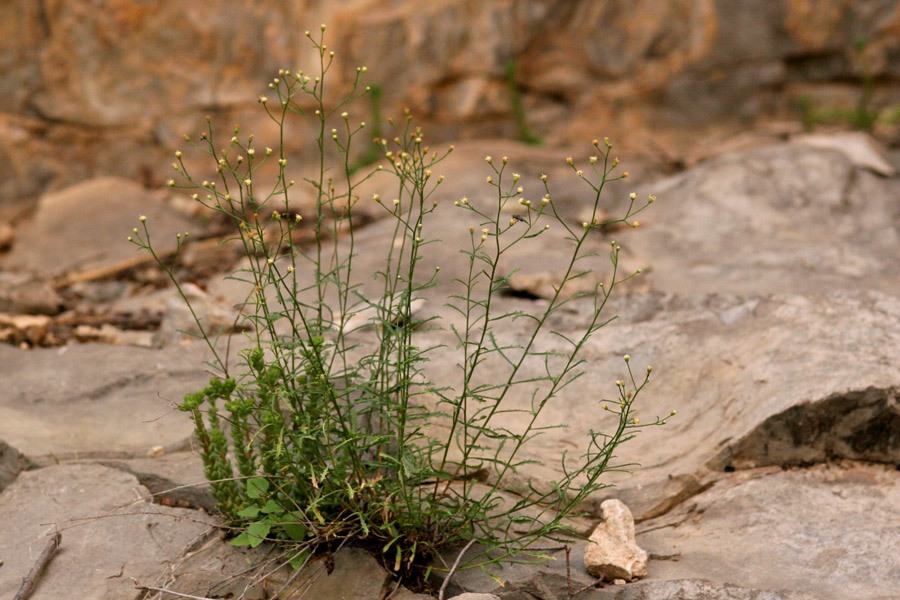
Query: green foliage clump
x=328, y=431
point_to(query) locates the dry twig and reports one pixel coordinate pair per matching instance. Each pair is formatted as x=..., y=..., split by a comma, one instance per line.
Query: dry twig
x=39, y=566
x=453, y=569
x=147, y=588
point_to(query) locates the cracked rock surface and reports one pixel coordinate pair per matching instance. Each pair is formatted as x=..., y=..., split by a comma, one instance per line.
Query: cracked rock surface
x=769, y=312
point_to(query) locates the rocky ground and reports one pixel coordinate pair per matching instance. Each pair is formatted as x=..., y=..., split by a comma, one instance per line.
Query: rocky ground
x=768, y=307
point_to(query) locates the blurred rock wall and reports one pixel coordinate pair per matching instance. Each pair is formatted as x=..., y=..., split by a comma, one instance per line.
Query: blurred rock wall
x=98, y=87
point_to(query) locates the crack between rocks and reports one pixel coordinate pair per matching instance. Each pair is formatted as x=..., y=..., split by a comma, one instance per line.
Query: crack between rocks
x=166, y=492
x=133, y=379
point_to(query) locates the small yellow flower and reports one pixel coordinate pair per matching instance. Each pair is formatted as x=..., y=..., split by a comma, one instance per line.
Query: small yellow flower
x=170, y=182
x=143, y=218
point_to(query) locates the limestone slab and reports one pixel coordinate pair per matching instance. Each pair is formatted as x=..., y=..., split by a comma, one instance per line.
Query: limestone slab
x=110, y=533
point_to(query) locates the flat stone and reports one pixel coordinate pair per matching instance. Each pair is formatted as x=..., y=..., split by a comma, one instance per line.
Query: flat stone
x=86, y=225
x=694, y=589
x=96, y=400
x=12, y=462
x=788, y=218
x=218, y=569
x=30, y=330
x=110, y=532
x=859, y=148
x=174, y=479
x=733, y=368
x=21, y=294
x=829, y=530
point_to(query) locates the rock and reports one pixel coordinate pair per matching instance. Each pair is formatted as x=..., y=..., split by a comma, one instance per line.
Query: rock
x=694, y=589
x=860, y=149
x=96, y=400
x=30, y=330
x=174, y=477
x=814, y=223
x=822, y=530
x=612, y=554
x=86, y=226
x=474, y=596
x=7, y=235
x=356, y=576
x=819, y=367
x=676, y=66
x=12, y=462
x=21, y=294
x=215, y=316
x=405, y=594
x=221, y=569
x=110, y=532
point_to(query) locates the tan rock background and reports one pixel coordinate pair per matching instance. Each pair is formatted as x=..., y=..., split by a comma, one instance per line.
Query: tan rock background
x=108, y=87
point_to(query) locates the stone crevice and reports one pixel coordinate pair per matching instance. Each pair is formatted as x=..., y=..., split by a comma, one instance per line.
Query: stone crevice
x=856, y=425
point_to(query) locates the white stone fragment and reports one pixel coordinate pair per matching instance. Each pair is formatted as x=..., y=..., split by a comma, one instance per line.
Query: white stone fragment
x=612, y=552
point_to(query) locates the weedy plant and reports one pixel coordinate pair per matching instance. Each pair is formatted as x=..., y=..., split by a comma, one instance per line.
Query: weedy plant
x=325, y=431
